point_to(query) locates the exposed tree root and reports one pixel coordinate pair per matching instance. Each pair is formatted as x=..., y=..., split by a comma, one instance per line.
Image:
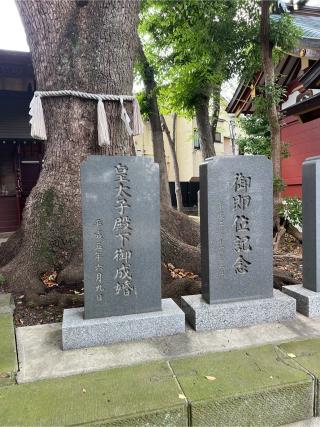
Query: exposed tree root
x=22, y=276
x=278, y=237
x=179, y=240
x=294, y=232
x=179, y=287
x=73, y=272
x=165, y=274
x=11, y=247
x=180, y=226
x=178, y=253
x=281, y=227
x=53, y=298
x=178, y=235
x=281, y=279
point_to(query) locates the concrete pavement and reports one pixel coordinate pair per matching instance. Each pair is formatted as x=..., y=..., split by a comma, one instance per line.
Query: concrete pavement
x=41, y=356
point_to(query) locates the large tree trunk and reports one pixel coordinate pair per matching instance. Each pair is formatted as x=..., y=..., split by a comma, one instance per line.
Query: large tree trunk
x=171, y=142
x=81, y=45
x=268, y=68
x=204, y=127
x=155, y=123
x=88, y=46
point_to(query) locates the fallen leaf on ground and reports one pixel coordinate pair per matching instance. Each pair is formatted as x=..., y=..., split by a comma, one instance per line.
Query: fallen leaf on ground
x=210, y=378
x=180, y=273
x=49, y=279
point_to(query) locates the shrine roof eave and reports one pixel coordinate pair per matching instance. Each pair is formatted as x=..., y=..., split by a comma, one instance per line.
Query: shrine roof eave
x=303, y=107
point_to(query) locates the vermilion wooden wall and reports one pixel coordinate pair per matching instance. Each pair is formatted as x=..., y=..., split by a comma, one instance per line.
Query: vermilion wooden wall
x=304, y=141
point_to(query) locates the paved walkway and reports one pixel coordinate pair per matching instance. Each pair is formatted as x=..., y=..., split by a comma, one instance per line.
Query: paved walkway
x=264, y=375
x=41, y=355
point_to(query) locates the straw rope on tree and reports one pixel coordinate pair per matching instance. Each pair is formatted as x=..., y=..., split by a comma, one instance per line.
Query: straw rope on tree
x=38, y=127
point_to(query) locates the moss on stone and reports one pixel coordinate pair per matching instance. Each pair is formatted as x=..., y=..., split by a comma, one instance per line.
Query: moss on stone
x=253, y=387
x=306, y=353
x=8, y=359
x=135, y=396
x=6, y=303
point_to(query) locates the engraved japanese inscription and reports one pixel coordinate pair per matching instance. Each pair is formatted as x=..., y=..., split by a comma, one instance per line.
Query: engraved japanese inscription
x=122, y=230
x=236, y=228
x=241, y=202
x=121, y=235
x=98, y=257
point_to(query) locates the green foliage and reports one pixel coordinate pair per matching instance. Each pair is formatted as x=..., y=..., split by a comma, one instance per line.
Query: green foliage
x=284, y=36
x=256, y=136
x=291, y=210
x=278, y=184
x=143, y=103
x=2, y=280
x=268, y=96
x=193, y=46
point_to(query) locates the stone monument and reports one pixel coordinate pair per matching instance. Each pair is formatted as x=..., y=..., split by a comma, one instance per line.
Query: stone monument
x=308, y=294
x=121, y=256
x=236, y=220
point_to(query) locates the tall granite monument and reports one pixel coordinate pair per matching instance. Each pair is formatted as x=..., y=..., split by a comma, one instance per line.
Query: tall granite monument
x=308, y=294
x=236, y=216
x=121, y=256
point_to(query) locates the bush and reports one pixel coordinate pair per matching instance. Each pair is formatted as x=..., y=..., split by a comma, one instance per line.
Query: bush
x=2, y=280
x=291, y=210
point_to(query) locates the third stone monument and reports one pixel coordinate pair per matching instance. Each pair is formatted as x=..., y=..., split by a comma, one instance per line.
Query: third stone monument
x=236, y=246
x=308, y=294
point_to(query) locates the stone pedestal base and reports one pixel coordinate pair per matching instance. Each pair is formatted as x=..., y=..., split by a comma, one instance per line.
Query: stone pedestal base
x=78, y=332
x=204, y=316
x=308, y=302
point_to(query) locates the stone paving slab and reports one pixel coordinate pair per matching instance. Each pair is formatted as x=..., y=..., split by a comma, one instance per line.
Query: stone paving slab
x=144, y=395
x=6, y=303
x=253, y=387
x=306, y=353
x=8, y=358
x=41, y=356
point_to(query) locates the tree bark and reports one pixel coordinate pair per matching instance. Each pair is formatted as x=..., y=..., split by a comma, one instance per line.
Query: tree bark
x=147, y=73
x=86, y=46
x=204, y=127
x=171, y=142
x=294, y=232
x=268, y=68
x=216, y=110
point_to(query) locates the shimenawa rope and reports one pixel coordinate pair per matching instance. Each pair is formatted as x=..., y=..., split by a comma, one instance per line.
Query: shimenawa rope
x=38, y=127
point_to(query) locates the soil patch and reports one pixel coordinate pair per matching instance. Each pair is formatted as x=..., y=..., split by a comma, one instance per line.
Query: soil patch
x=288, y=259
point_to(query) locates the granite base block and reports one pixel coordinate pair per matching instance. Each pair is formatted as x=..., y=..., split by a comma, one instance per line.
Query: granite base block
x=204, y=316
x=78, y=332
x=308, y=302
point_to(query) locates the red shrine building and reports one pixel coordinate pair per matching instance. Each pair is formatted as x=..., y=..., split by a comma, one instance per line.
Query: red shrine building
x=299, y=73
x=20, y=156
